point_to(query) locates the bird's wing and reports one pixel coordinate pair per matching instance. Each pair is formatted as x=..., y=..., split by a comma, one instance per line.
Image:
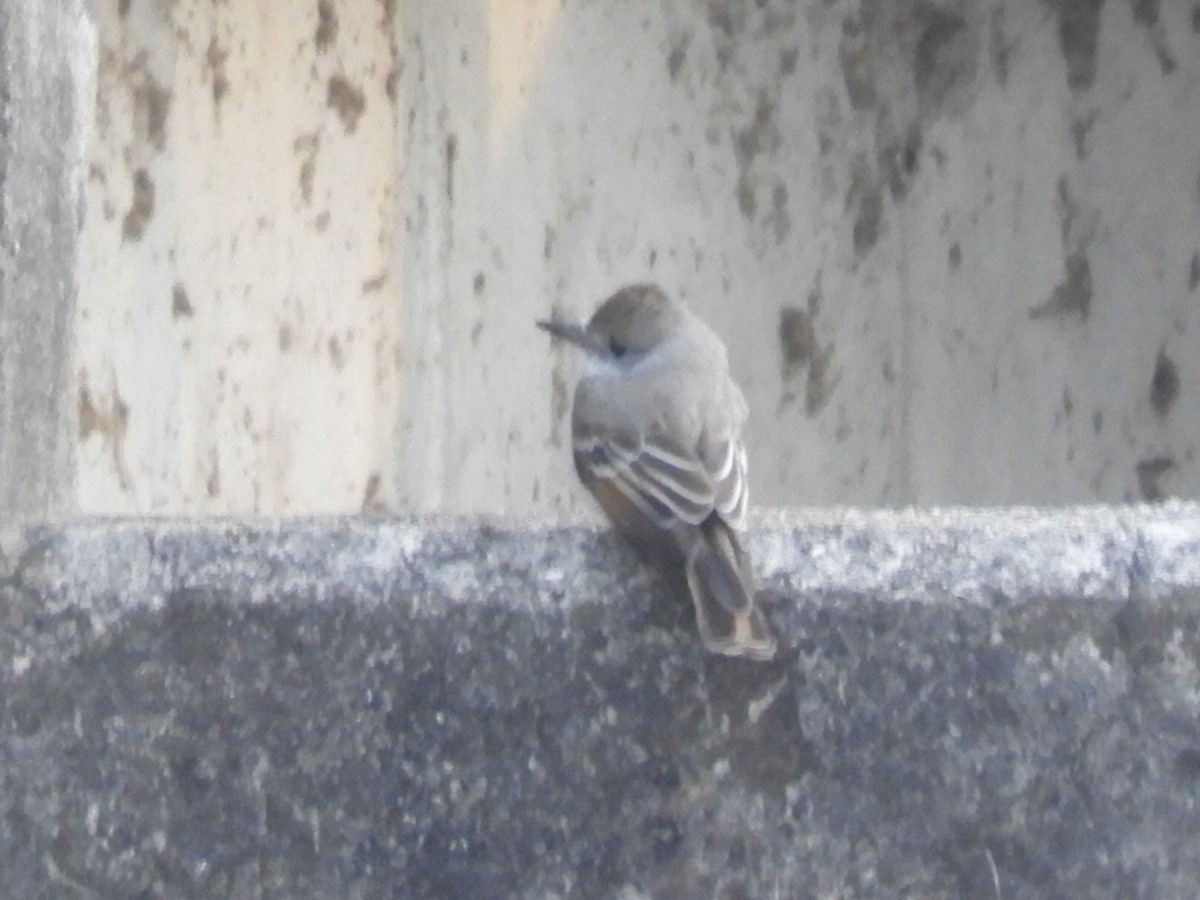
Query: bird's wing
x=665, y=482
x=724, y=459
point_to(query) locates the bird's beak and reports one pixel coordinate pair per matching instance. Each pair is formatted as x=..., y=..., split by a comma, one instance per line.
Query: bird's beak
x=572, y=333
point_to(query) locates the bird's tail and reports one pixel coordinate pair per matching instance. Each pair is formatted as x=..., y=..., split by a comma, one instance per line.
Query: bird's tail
x=722, y=588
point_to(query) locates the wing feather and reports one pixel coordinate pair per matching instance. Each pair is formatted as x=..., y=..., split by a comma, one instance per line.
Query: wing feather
x=665, y=481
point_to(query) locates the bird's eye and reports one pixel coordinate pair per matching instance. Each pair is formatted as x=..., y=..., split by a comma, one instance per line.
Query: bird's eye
x=616, y=348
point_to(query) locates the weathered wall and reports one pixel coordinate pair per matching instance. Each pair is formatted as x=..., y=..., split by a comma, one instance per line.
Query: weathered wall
x=237, y=320
x=953, y=246
x=47, y=82
x=964, y=705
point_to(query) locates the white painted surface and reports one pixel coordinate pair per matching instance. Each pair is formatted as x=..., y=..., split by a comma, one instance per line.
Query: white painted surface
x=979, y=228
x=238, y=331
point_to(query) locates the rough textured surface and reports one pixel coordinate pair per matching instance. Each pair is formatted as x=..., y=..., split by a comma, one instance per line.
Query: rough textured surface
x=46, y=79
x=953, y=247
x=965, y=705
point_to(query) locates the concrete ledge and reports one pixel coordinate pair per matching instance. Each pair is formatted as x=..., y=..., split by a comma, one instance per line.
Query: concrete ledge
x=966, y=704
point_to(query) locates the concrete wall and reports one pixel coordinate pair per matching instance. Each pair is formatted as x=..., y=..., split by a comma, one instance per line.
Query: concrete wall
x=238, y=309
x=47, y=82
x=360, y=708
x=953, y=247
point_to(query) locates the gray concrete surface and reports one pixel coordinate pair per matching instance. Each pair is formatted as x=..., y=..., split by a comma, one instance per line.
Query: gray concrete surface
x=47, y=86
x=966, y=704
x=952, y=246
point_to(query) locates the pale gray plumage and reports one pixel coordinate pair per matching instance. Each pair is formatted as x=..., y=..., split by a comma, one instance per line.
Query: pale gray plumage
x=656, y=430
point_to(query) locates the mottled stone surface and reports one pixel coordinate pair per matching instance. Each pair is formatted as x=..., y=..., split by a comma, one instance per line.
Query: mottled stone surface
x=45, y=84
x=382, y=708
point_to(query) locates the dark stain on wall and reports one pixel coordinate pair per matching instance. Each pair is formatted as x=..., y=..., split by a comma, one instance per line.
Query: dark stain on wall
x=867, y=222
x=901, y=161
x=152, y=103
x=389, y=14
x=802, y=353
x=346, y=100
x=1073, y=295
x=855, y=61
x=1164, y=385
x=788, y=58
x=111, y=424
x=1068, y=209
x=391, y=84
x=779, y=217
x=214, y=64
x=677, y=56
x=212, y=484
x=372, y=502
x=181, y=306
x=1149, y=475
x=759, y=137
x=999, y=47
x=451, y=160
x=327, y=25
x=305, y=147
x=1078, y=30
x=955, y=256
x=1080, y=129
x=1145, y=13
x=865, y=196
x=944, y=61
x=141, y=208
x=1194, y=272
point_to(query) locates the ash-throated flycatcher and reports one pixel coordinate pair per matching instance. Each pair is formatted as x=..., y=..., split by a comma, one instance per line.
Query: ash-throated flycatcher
x=656, y=431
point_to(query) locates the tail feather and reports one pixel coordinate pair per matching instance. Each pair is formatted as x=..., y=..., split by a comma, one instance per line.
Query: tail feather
x=722, y=588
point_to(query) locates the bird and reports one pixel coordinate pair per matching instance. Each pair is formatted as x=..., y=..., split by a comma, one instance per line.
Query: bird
x=656, y=433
